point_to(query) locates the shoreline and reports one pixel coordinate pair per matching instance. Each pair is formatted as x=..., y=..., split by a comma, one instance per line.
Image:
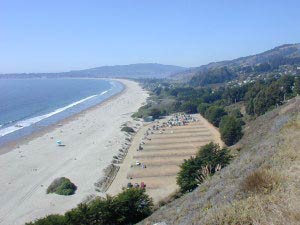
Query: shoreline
x=9, y=146
x=91, y=137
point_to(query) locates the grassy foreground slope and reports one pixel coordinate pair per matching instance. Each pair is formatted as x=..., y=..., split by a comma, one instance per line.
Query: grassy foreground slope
x=260, y=186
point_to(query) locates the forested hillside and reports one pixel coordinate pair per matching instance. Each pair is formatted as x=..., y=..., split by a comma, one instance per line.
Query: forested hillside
x=283, y=59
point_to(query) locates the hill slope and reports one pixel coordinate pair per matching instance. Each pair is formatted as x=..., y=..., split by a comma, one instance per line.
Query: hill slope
x=260, y=186
x=219, y=72
x=140, y=70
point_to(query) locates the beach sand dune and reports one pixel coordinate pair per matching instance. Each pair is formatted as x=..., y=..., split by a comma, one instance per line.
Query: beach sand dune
x=90, y=138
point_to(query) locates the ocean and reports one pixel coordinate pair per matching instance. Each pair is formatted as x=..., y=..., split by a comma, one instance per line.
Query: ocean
x=28, y=105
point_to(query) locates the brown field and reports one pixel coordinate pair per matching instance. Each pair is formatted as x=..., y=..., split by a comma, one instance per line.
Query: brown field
x=162, y=155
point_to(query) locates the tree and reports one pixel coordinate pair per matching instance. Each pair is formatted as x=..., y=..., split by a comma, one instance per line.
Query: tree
x=186, y=178
x=297, y=86
x=214, y=114
x=210, y=155
x=231, y=130
x=234, y=94
x=50, y=220
x=236, y=113
x=189, y=107
x=156, y=113
x=265, y=95
x=202, y=108
x=128, y=207
x=133, y=205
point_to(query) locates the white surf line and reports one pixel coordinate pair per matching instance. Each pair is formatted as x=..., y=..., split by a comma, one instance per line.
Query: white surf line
x=25, y=123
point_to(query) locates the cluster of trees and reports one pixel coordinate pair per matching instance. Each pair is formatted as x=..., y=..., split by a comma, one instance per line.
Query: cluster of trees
x=151, y=110
x=230, y=125
x=214, y=114
x=263, y=96
x=231, y=130
x=128, y=207
x=209, y=159
x=258, y=97
x=157, y=113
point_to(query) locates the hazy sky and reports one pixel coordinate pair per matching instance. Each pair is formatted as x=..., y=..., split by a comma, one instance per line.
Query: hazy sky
x=61, y=35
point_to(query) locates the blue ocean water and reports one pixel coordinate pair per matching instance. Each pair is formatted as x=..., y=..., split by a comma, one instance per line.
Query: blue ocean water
x=27, y=105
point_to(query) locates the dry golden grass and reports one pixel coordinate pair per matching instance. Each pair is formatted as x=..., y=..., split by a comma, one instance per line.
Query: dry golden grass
x=260, y=181
x=273, y=193
x=257, y=209
x=176, y=194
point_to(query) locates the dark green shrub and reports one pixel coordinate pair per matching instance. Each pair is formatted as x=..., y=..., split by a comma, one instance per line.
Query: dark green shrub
x=62, y=186
x=209, y=156
x=231, y=130
x=189, y=107
x=186, y=178
x=236, y=113
x=214, y=114
x=297, y=86
x=156, y=113
x=128, y=129
x=202, y=108
x=50, y=220
x=128, y=207
x=133, y=205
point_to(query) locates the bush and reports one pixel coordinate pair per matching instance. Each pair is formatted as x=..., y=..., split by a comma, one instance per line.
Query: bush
x=236, y=113
x=133, y=206
x=208, y=160
x=186, y=178
x=202, y=108
x=128, y=207
x=189, y=107
x=231, y=130
x=50, y=220
x=156, y=113
x=214, y=115
x=128, y=129
x=260, y=181
x=62, y=186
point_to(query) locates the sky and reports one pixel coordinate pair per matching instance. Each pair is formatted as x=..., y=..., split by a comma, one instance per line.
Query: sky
x=62, y=35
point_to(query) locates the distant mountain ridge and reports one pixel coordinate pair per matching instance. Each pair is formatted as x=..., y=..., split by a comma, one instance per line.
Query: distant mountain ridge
x=139, y=70
x=215, y=72
x=281, y=55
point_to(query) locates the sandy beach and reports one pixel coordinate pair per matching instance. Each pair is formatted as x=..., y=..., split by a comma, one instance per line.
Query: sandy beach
x=91, y=139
